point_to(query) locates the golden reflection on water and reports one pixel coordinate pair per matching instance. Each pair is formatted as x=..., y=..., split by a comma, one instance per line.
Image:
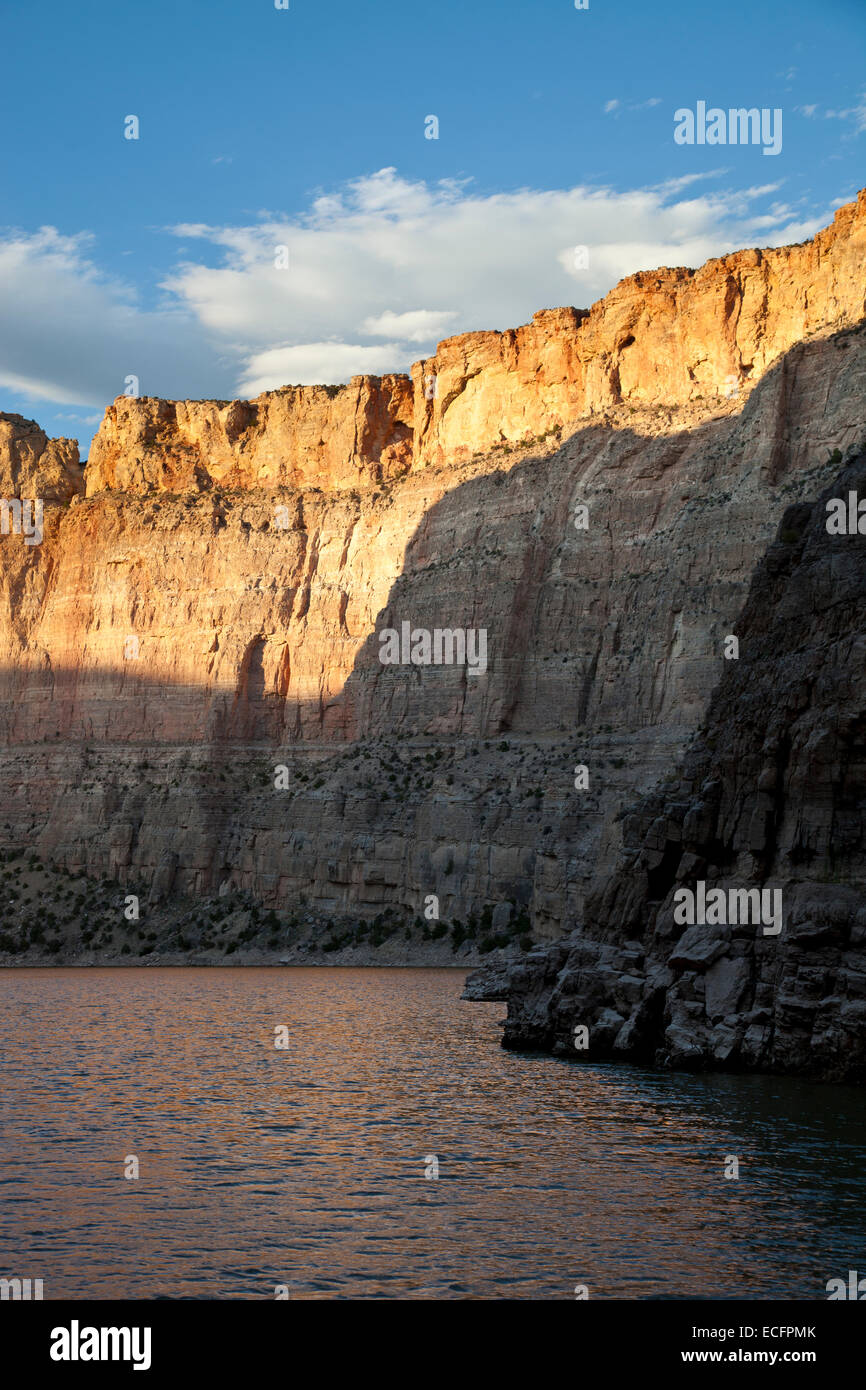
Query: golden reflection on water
x=306, y=1166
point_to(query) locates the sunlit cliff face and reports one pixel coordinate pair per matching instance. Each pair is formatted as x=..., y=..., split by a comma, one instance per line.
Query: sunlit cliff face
x=660, y=338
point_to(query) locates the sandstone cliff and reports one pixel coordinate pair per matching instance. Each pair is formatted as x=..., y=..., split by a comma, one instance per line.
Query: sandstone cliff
x=771, y=793
x=660, y=338
x=32, y=465
x=331, y=436
x=209, y=610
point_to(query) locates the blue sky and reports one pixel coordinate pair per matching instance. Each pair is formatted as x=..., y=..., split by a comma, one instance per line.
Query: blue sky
x=305, y=128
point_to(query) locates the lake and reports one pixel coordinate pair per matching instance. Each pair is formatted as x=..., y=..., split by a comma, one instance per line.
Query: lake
x=305, y=1165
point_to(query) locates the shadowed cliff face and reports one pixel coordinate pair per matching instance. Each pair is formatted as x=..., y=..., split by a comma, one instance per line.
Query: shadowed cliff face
x=772, y=793
x=162, y=651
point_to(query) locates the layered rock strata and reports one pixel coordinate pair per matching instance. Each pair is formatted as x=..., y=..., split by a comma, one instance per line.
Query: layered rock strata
x=771, y=796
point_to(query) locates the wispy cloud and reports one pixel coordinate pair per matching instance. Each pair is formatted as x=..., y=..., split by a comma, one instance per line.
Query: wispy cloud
x=615, y=105
x=855, y=115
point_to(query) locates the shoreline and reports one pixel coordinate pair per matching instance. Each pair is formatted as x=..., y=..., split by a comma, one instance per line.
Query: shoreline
x=357, y=957
x=53, y=916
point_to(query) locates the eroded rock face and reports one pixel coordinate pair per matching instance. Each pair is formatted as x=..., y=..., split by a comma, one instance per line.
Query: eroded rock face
x=772, y=794
x=335, y=437
x=212, y=609
x=34, y=466
x=662, y=338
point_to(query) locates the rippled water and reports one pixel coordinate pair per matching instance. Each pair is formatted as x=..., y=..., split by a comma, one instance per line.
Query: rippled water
x=305, y=1166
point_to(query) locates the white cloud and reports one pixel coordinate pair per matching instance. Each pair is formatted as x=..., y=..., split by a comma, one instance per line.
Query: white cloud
x=312, y=364
x=416, y=326
x=71, y=334
x=362, y=258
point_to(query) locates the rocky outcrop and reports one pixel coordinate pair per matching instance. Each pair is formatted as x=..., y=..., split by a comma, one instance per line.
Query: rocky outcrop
x=334, y=437
x=771, y=796
x=34, y=466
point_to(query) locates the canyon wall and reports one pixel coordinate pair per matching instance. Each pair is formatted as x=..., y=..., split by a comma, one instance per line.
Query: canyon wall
x=772, y=793
x=205, y=606
x=660, y=338
x=306, y=436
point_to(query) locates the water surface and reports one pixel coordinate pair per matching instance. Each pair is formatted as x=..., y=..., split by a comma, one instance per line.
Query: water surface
x=306, y=1166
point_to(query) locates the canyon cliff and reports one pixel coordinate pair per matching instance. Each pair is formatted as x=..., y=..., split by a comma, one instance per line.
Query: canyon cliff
x=772, y=792
x=205, y=606
x=661, y=338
